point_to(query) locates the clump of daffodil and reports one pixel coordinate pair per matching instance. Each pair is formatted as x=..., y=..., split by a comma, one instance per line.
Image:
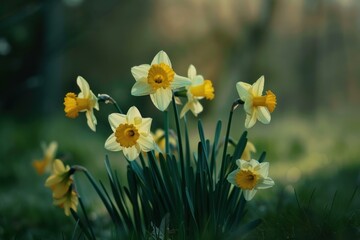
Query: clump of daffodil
x=257, y=107
x=250, y=176
x=44, y=165
x=131, y=134
x=249, y=148
x=198, y=89
x=85, y=101
x=157, y=80
x=61, y=184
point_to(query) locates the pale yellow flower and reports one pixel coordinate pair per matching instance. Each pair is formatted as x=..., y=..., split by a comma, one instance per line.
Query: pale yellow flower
x=85, y=101
x=257, y=107
x=68, y=201
x=131, y=134
x=60, y=180
x=198, y=89
x=159, y=138
x=250, y=177
x=157, y=80
x=44, y=165
x=249, y=148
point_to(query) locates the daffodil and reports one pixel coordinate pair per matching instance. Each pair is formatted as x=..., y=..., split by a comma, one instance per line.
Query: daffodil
x=249, y=148
x=250, y=176
x=257, y=107
x=60, y=180
x=43, y=165
x=157, y=80
x=85, y=101
x=159, y=138
x=131, y=134
x=68, y=201
x=198, y=89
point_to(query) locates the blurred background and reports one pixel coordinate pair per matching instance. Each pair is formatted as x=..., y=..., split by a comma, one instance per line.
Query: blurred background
x=307, y=50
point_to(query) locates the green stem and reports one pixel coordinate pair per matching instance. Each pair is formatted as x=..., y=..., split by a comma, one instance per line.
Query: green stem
x=107, y=99
x=166, y=129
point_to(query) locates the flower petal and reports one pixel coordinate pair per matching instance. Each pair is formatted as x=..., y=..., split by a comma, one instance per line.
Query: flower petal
x=263, y=115
x=161, y=98
x=258, y=86
x=111, y=144
x=250, y=120
x=196, y=107
x=179, y=82
x=91, y=120
x=131, y=153
x=115, y=119
x=132, y=114
x=84, y=86
x=191, y=72
x=243, y=90
x=264, y=169
x=141, y=88
x=249, y=194
x=161, y=57
x=146, y=143
x=185, y=109
x=266, y=183
x=231, y=177
x=140, y=71
x=145, y=125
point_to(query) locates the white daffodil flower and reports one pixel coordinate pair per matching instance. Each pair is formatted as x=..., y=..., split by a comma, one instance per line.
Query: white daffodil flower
x=250, y=176
x=198, y=89
x=257, y=107
x=157, y=80
x=131, y=134
x=85, y=101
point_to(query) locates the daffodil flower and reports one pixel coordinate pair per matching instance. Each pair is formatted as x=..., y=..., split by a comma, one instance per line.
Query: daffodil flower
x=249, y=148
x=44, y=165
x=159, y=138
x=198, y=89
x=157, y=80
x=257, y=107
x=131, y=134
x=250, y=177
x=60, y=180
x=68, y=201
x=85, y=101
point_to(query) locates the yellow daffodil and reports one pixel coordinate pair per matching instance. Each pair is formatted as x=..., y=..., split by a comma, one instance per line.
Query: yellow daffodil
x=44, y=165
x=85, y=101
x=198, y=89
x=249, y=148
x=250, y=176
x=157, y=80
x=131, y=134
x=257, y=107
x=159, y=138
x=68, y=201
x=60, y=180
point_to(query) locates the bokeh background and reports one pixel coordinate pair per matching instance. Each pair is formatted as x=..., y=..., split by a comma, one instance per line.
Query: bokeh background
x=308, y=51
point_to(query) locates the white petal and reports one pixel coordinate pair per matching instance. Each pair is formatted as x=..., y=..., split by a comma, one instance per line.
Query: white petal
x=250, y=120
x=91, y=120
x=231, y=177
x=179, y=82
x=141, y=88
x=95, y=100
x=264, y=169
x=145, y=125
x=58, y=166
x=191, y=72
x=111, y=144
x=198, y=80
x=131, y=153
x=115, y=119
x=243, y=90
x=244, y=164
x=140, y=71
x=132, y=114
x=161, y=98
x=266, y=183
x=84, y=86
x=146, y=143
x=249, y=194
x=161, y=57
x=263, y=115
x=185, y=109
x=196, y=107
x=258, y=86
